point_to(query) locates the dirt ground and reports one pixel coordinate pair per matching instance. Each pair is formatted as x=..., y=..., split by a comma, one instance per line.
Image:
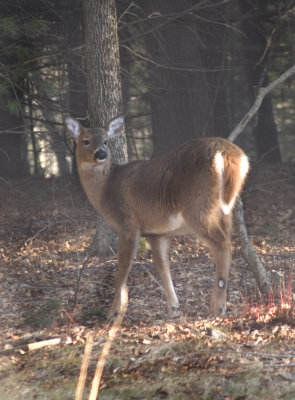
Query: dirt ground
x=51, y=289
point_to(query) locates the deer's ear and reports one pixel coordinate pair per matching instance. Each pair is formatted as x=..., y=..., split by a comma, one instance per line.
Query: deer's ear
x=114, y=126
x=73, y=126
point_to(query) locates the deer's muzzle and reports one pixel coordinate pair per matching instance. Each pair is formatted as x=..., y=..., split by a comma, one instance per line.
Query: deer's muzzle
x=100, y=155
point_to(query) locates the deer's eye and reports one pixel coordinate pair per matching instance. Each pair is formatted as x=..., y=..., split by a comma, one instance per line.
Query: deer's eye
x=86, y=142
x=105, y=142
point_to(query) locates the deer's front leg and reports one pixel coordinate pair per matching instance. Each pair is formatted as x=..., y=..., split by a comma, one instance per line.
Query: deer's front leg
x=160, y=249
x=127, y=247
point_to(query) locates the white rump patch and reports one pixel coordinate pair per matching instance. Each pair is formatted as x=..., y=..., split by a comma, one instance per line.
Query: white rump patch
x=244, y=166
x=226, y=208
x=219, y=166
x=219, y=163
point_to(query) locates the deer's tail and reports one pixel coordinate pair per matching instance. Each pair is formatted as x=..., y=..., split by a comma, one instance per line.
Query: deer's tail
x=232, y=173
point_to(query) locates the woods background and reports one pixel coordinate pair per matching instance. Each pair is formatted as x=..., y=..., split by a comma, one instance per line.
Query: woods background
x=188, y=69
x=176, y=69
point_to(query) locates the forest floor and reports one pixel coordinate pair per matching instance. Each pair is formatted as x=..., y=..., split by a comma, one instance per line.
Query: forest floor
x=53, y=295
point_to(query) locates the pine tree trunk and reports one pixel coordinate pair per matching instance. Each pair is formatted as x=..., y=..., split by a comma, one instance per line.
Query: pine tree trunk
x=77, y=90
x=13, y=154
x=178, y=92
x=77, y=101
x=265, y=131
x=104, y=91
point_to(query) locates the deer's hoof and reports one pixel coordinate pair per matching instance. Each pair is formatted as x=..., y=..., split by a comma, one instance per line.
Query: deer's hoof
x=218, y=311
x=111, y=316
x=222, y=310
x=173, y=312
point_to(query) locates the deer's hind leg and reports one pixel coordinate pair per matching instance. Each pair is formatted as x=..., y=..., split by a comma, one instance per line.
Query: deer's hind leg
x=160, y=248
x=217, y=237
x=220, y=246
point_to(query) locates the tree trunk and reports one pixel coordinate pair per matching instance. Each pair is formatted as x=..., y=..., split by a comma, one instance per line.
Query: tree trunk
x=266, y=135
x=77, y=101
x=104, y=90
x=178, y=89
x=13, y=151
x=77, y=91
x=57, y=142
x=265, y=131
x=215, y=36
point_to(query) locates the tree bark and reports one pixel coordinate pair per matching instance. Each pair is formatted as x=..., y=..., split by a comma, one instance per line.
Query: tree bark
x=13, y=151
x=179, y=99
x=265, y=131
x=216, y=36
x=104, y=91
x=77, y=91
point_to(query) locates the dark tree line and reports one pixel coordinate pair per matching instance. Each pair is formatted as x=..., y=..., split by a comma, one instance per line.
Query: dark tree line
x=188, y=68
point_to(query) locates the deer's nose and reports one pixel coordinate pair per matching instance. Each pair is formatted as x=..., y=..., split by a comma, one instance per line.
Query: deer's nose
x=100, y=155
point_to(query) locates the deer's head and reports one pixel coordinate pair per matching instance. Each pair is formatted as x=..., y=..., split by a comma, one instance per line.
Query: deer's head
x=92, y=143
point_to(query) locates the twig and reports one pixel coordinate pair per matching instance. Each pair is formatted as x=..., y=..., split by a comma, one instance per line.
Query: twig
x=154, y=279
x=107, y=346
x=84, y=367
x=80, y=272
x=70, y=318
x=31, y=239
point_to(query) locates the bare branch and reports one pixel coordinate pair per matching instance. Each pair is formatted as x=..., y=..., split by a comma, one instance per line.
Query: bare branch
x=262, y=92
x=261, y=276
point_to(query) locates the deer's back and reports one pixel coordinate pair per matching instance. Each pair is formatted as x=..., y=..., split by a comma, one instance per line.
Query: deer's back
x=185, y=178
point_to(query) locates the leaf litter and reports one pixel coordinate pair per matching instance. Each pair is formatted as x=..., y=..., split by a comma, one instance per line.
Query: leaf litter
x=53, y=295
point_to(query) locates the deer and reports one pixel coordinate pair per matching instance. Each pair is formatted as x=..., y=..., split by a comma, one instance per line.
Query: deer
x=190, y=190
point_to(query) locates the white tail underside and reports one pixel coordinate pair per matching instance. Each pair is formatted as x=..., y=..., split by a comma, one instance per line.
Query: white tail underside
x=219, y=165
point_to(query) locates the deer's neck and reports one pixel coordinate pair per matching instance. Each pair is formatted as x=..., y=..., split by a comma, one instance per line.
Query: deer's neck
x=93, y=178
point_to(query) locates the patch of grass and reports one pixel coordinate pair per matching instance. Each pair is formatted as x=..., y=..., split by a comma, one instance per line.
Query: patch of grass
x=143, y=247
x=44, y=316
x=93, y=313
x=48, y=375
x=268, y=228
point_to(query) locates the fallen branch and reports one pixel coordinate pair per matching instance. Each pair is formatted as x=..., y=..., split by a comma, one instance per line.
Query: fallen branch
x=261, y=276
x=49, y=342
x=24, y=348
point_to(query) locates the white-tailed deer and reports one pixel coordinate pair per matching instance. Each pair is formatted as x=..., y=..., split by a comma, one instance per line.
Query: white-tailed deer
x=192, y=189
